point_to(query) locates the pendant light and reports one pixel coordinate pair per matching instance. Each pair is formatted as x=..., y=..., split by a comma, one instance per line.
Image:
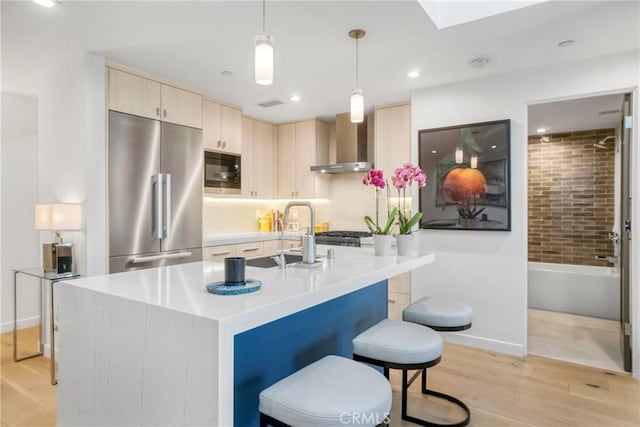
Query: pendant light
x=474, y=161
x=264, y=55
x=357, y=97
x=459, y=155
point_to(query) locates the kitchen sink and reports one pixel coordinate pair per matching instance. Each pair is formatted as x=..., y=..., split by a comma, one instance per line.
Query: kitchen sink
x=269, y=262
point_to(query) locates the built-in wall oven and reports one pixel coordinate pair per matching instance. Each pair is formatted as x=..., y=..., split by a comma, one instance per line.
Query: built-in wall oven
x=221, y=173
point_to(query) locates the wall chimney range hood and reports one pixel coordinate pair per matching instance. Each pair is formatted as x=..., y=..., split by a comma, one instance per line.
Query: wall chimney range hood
x=351, y=147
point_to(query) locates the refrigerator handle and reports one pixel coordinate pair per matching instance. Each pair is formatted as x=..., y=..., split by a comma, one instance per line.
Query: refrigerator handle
x=157, y=206
x=167, y=201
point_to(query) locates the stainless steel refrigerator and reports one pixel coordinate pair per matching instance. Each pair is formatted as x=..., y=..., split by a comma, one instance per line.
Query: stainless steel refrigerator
x=155, y=193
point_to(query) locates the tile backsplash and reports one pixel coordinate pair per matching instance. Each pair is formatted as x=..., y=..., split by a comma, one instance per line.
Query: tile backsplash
x=227, y=215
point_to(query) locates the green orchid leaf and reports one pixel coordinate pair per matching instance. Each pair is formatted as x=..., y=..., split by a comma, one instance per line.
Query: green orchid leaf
x=390, y=221
x=413, y=221
x=372, y=226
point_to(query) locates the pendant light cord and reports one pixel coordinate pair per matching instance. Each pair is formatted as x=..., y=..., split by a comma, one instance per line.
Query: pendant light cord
x=263, y=16
x=357, y=62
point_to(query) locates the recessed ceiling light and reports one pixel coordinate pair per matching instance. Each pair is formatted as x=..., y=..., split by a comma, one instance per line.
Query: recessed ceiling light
x=434, y=151
x=566, y=43
x=227, y=73
x=413, y=74
x=45, y=3
x=479, y=62
x=542, y=130
x=295, y=98
x=493, y=146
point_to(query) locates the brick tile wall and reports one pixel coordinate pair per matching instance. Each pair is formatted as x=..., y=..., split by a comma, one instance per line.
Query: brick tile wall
x=571, y=197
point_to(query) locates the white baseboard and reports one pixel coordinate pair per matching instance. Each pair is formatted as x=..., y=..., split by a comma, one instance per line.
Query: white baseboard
x=22, y=323
x=485, y=343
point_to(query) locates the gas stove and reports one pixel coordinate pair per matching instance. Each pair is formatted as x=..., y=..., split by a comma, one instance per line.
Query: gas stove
x=341, y=238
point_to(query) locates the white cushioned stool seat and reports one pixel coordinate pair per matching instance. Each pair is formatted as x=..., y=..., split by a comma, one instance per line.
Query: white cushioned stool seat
x=397, y=341
x=328, y=392
x=437, y=312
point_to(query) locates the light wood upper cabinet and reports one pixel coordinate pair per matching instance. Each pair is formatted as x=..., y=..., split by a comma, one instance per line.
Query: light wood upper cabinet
x=132, y=94
x=181, y=107
x=300, y=146
x=392, y=137
x=264, y=169
x=144, y=97
x=222, y=128
x=258, y=159
x=286, y=160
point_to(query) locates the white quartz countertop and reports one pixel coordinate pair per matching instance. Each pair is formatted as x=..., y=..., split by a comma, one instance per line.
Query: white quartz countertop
x=233, y=238
x=182, y=287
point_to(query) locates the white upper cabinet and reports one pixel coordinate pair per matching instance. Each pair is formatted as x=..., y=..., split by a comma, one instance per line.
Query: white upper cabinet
x=300, y=146
x=222, y=128
x=144, y=97
x=392, y=137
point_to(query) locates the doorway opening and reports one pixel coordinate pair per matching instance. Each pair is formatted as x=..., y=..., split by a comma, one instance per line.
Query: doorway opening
x=577, y=179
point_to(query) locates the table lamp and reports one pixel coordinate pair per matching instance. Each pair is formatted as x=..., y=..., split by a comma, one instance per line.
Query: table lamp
x=58, y=256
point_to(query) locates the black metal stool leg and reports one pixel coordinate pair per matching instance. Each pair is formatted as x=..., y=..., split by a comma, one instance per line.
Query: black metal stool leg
x=419, y=421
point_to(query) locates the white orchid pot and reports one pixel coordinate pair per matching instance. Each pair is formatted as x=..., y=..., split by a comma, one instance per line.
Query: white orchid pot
x=406, y=244
x=382, y=244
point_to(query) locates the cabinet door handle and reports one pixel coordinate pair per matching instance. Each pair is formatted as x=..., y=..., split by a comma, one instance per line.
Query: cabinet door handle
x=391, y=300
x=224, y=144
x=164, y=112
x=219, y=143
x=250, y=249
x=220, y=253
x=158, y=111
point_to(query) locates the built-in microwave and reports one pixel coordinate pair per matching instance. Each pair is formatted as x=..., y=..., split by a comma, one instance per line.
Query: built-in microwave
x=221, y=173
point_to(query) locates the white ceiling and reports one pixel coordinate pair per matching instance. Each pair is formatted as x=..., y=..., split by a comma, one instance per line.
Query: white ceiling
x=576, y=114
x=193, y=42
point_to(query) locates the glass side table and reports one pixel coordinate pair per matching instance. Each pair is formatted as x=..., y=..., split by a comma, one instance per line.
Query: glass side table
x=45, y=276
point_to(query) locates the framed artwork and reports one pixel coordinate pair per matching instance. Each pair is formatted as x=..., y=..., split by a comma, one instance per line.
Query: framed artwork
x=468, y=170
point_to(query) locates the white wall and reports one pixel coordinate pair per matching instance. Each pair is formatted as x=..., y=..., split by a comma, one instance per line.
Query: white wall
x=489, y=269
x=96, y=166
x=20, y=245
x=61, y=147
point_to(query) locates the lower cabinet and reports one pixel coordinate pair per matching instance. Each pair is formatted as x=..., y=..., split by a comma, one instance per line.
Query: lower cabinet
x=247, y=250
x=399, y=295
x=218, y=253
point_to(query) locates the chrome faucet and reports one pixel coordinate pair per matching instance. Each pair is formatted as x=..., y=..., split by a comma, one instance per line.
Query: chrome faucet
x=280, y=258
x=309, y=239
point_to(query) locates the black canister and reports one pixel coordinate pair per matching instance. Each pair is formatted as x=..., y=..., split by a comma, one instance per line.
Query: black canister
x=234, y=270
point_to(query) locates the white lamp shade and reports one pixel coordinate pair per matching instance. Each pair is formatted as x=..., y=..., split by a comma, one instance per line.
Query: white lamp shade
x=357, y=106
x=459, y=155
x=58, y=217
x=264, y=59
x=474, y=161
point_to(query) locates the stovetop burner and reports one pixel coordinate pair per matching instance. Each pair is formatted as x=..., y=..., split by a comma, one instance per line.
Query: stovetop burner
x=338, y=233
x=341, y=238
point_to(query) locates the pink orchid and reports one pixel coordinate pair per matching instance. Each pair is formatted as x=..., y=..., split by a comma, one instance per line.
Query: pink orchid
x=374, y=177
x=403, y=178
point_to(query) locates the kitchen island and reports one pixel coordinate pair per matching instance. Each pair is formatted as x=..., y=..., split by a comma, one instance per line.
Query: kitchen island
x=152, y=347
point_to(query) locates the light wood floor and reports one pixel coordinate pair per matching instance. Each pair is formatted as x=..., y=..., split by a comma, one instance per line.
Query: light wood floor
x=578, y=339
x=500, y=390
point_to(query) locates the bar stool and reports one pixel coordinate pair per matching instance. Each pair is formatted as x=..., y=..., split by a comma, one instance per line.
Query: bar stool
x=330, y=392
x=396, y=344
x=439, y=314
